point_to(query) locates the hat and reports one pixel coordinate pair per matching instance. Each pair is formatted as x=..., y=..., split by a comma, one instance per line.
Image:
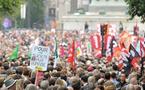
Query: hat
x=9, y=82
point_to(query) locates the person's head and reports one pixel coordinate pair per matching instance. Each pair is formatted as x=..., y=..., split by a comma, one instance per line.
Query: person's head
x=52, y=81
x=75, y=83
x=115, y=67
x=137, y=87
x=26, y=72
x=130, y=87
x=6, y=65
x=107, y=76
x=79, y=71
x=60, y=82
x=32, y=80
x=4, y=88
x=122, y=77
x=109, y=86
x=133, y=81
x=17, y=76
x=101, y=81
x=123, y=88
x=64, y=77
x=98, y=76
x=99, y=87
x=113, y=75
x=91, y=79
x=84, y=78
x=62, y=88
x=91, y=82
x=70, y=88
x=0, y=63
x=56, y=74
x=26, y=82
x=44, y=84
x=47, y=75
x=31, y=87
x=53, y=88
x=142, y=79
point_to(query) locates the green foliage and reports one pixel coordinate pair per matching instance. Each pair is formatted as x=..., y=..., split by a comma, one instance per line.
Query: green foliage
x=9, y=7
x=34, y=12
x=136, y=8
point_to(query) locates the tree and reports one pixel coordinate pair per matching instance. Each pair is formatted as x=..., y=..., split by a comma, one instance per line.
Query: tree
x=136, y=8
x=9, y=7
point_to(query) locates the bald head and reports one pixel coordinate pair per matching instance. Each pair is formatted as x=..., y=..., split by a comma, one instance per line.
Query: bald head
x=130, y=87
x=133, y=81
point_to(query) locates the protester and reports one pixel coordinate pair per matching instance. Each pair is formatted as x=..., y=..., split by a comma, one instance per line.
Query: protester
x=84, y=70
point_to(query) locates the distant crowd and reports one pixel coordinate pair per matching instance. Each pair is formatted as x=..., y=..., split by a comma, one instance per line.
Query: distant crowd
x=89, y=73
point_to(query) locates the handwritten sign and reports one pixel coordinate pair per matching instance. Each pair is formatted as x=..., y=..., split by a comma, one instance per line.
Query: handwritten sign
x=39, y=58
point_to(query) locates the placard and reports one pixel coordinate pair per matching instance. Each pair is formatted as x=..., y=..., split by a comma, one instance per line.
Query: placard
x=39, y=58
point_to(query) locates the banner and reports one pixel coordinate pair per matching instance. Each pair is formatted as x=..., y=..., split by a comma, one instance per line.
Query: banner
x=14, y=54
x=112, y=29
x=23, y=11
x=39, y=57
x=95, y=41
x=39, y=77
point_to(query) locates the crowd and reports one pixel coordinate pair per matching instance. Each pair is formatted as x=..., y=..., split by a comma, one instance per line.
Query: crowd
x=90, y=73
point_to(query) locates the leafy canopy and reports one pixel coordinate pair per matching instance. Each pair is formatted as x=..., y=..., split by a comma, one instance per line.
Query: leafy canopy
x=136, y=8
x=9, y=7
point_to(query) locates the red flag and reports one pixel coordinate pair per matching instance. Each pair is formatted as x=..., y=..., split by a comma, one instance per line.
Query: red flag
x=92, y=41
x=117, y=53
x=71, y=57
x=107, y=40
x=95, y=41
x=111, y=50
x=97, y=53
x=134, y=40
x=142, y=50
x=61, y=51
x=96, y=45
x=134, y=62
x=142, y=47
x=133, y=51
x=108, y=47
x=125, y=39
x=123, y=60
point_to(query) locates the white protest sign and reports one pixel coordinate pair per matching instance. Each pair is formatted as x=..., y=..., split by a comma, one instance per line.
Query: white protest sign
x=39, y=58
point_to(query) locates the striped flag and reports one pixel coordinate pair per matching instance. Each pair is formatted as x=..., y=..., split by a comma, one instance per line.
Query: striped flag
x=133, y=51
x=56, y=56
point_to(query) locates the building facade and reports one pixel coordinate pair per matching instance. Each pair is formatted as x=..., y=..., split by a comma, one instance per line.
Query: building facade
x=72, y=14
